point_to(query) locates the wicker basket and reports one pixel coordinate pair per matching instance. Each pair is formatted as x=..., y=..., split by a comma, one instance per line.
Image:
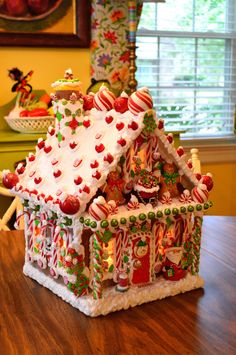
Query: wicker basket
x=30, y=124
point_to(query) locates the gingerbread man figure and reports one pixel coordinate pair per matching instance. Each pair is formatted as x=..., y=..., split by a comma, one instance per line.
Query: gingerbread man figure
x=170, y=180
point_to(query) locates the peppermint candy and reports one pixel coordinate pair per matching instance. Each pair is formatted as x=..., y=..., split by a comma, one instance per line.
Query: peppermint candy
x=140, y=101
x=185, y=197
x=200, y=193
x=104, y=99
x=99, y=209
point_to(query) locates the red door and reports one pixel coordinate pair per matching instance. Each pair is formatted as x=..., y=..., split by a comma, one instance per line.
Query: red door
x=141, y=259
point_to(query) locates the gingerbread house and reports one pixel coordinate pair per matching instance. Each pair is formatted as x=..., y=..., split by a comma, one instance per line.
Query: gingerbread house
x=113, y=211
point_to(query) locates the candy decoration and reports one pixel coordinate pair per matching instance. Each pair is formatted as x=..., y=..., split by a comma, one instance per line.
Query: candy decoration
x=112, y=207
x=121, y=104
x=185, y=197
x=118, y=260
x=99, y=148
x=133, y=203
x=148, y=153
x=70, y=205
x=10, y=180
x=170, y=137
x=180, y=151
x=99, y=209
x=104, y=99
x=196, y=240
x=128, y=161
x=126, y=250
x=200, y=193
x=30, y=233
x=166, y=198
x=158, y=240
x=140, y=101
x=97, y=266
x=207, y=180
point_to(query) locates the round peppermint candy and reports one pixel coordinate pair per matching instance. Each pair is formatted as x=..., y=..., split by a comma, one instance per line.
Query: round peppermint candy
x=104, y=99
x=140, y=101
x=200, y=193
x=98, y=210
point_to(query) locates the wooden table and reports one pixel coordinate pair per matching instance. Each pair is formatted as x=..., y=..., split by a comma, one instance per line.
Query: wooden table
x=35, y=321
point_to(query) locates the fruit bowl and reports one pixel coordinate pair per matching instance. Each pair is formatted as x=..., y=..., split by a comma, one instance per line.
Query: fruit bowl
x=30, y=124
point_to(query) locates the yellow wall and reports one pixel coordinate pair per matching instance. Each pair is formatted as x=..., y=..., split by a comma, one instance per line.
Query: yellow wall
x=223, y=194
x=49, y=64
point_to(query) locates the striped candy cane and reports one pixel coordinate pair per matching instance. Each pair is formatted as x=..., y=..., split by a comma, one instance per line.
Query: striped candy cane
x=54, y=251
x=30, y=233
x=97, y=266
x=118, y=240
x=148, y=153
x=126, y=250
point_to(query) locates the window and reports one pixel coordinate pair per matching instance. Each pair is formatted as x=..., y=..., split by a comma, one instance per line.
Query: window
x=186, y=56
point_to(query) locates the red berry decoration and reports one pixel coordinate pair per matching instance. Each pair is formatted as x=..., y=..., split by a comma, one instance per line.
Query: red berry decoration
x=170, y=137
x=160, y=124
x=198, y=176
x=88, y=102
x=86, y=189
x=10, y=180
x=180, y=151
x=70, y=205
x=121, y=104
x=51, y=131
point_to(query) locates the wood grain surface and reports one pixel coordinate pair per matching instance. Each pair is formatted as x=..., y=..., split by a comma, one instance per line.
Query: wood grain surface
x=35, y=321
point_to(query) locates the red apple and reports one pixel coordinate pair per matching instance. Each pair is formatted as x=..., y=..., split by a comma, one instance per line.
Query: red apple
x=88, y=102
x=37, y=7
x=16, y=7
x=10, y=180
x=121, y=104
x=70, y=205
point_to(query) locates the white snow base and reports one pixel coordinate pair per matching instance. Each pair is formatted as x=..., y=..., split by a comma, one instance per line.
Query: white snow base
x=113, y=300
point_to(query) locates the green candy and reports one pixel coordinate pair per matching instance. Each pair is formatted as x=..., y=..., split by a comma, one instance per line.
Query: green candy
x=151, y=215
x=199, y=207
x=104, y=223
x=167, y=211
x=81, y=219
x=159, y=214
x=93, y=224
x=142, y=216
x=132, y=219
x=210, y=203
x=114, y=222
x=175, y=211
x=182, y=209
x=123, y=220
x=190, y=208
x=206, y=206
x=87, y=222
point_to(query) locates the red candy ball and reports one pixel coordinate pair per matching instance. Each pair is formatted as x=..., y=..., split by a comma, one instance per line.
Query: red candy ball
x=70, y=205
x=121, y=104
x=10, y=180
x=88, y=102
x=207, y=180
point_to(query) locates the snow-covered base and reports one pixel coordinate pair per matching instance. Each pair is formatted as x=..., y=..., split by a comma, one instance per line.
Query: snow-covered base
x=113, y=300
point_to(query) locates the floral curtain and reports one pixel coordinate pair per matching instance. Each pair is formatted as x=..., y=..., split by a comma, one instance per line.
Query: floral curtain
x=109, y=44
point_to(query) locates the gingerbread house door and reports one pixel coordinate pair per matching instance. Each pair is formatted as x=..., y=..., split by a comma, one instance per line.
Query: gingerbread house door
x=141, y=263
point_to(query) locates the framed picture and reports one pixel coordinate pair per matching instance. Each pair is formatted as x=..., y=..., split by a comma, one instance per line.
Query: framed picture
x=45, y=23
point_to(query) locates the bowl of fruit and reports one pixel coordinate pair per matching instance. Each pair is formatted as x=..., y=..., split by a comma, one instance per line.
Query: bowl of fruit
x=33, y=115
x=31, y=111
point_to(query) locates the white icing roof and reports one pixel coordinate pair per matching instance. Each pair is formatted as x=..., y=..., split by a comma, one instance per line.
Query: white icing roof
x=72, y=164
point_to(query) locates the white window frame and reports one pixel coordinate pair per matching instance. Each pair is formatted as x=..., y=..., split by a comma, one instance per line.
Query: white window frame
x=225, y=145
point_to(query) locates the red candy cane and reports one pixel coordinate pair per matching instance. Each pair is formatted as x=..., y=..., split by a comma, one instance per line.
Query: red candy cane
x=118, y=240
x=126, y=248
x=148, y=153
